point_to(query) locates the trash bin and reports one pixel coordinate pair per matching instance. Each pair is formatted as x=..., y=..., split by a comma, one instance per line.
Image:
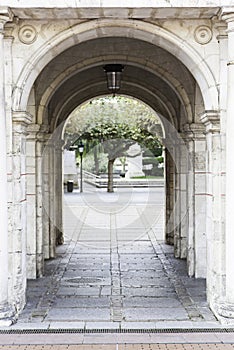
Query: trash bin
x=70, y=186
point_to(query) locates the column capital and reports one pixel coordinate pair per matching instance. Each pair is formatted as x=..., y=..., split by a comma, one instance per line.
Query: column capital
x=33, y=128
x=21, y=117
x=227, y=14
x=193, y=131
x=6, y=15
x=211, y=120
x=221, y=29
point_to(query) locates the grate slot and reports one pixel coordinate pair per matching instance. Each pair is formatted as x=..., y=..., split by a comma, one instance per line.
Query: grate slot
x=73, y=330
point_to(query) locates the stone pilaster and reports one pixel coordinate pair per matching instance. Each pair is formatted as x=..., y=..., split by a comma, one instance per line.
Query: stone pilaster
x=49, y=190
x=214, y=212
x=33, y=242
x=18, y=247
x=182, y=169
x=176, y=207
x=170, y=189
x=41, y=215
x=194, y=137
x=45, y=188
x=6, y=311
x=59, y=191
x=169, y=177
x=225, y=305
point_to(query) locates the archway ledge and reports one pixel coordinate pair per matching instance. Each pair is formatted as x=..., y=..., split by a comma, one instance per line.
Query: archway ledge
x=107, y=28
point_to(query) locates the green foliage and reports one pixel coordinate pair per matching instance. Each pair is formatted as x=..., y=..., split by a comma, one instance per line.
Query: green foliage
x=116, y=124
x=150, y=160
x=89, y=165
x=160, y=159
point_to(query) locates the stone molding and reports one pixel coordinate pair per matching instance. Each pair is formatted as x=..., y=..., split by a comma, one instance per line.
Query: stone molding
x=221, y=28
x=224, y=310
x=203, y=34
x=27, y=34
x=193, y=131
x=6, y=15
x=227, y=15
x=7, y=315
x=23, y=118
x=33, y=128
x=211, y=120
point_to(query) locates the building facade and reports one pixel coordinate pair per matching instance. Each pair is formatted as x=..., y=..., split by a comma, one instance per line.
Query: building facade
x=178, y=58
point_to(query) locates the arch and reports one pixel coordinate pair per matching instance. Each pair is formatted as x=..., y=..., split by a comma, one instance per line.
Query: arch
x=172, y=82
x=108, y=28
x=168, y=110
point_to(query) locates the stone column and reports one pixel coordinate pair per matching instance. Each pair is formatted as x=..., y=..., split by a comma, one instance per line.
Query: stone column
x=169, y=190
x=6, y=312
x=214, y=220
x=196, y=199
x=227, y=306
x=18, y=246
x=33, y=242
x=52, y=204
x=42, y=223
x=46, y=193
x=59, y=191
x=181, y=205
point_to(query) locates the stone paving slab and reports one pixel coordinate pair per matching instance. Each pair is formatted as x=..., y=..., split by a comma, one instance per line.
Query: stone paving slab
x=153, y=302
x=79, y=314
x=154, y=314
x=87, y=302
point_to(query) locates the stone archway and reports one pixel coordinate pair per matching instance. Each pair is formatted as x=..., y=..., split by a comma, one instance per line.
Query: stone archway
x=55, y=102
x=162, y=70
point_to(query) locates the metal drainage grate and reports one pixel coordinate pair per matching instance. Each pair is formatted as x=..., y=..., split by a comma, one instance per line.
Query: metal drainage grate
x=73, y=330
x=83, y=280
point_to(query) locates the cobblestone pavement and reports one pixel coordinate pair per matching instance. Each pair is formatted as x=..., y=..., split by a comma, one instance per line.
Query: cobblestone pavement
x=114, y=271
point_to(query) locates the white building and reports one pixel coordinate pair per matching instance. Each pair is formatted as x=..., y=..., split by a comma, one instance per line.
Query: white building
x=179, y=59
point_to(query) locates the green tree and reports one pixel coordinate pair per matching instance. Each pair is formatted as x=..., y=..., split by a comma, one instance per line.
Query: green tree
x=115, y=124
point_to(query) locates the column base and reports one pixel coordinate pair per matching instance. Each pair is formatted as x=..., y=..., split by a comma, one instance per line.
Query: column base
x=7, y=315
x=224, y=311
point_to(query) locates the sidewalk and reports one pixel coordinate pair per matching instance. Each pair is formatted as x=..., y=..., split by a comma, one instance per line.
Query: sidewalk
x=115, y=281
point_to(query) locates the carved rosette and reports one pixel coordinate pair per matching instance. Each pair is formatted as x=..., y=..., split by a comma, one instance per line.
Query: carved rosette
x=27, y=34
x=203, y=35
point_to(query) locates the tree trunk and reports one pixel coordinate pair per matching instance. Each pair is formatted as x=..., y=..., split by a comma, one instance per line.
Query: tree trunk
x=96, y=160
x=110, y=185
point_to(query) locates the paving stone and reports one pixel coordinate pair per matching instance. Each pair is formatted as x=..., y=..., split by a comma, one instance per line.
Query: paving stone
x=105, y=290
x=146, y=302
x=79, y=314
x=68, y=302
x=67, y=325
x=150, y=314
x=86, y=291
x=151, y=292
x=146, y=282
x=138, y=325
x=102, y=325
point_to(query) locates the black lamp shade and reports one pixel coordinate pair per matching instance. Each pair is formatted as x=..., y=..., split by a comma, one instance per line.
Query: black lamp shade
x=81, y=148
x=113, y=75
